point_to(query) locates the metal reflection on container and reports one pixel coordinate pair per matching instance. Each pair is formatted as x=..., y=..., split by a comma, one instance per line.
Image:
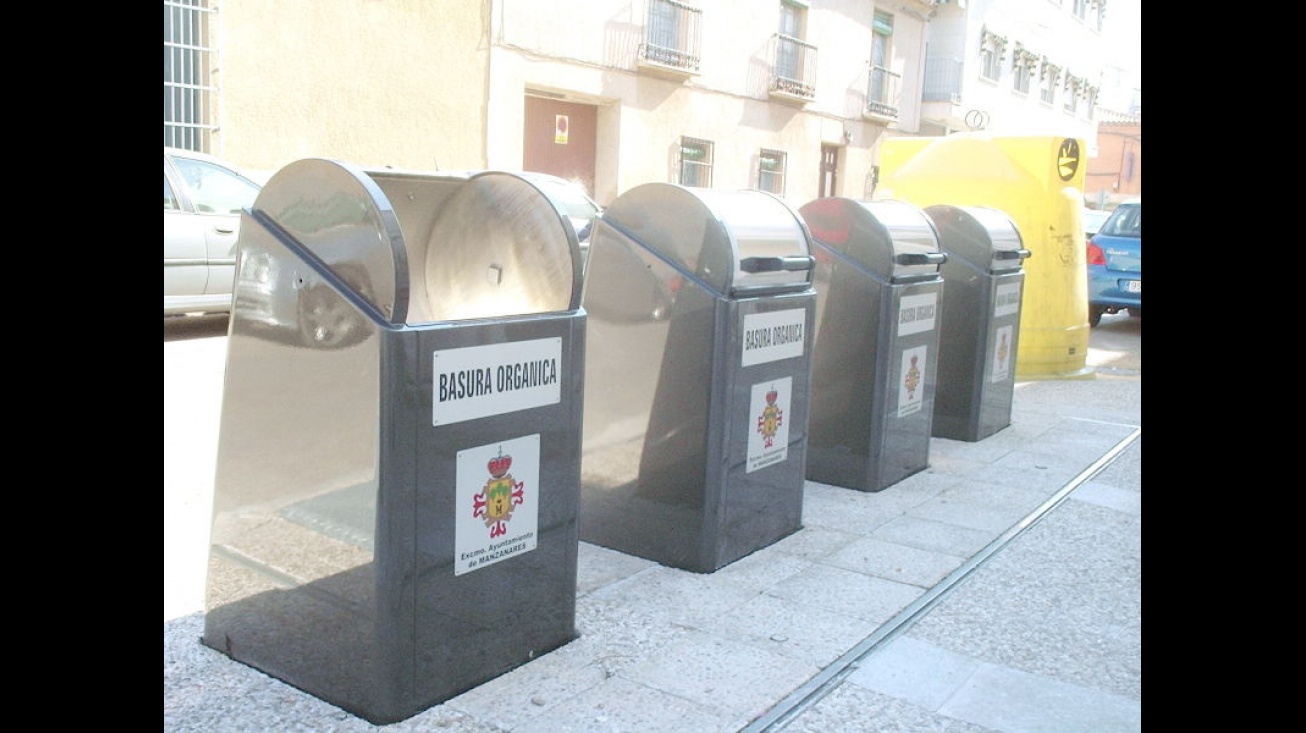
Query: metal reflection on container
x=876, y=345
x=700, y=310
x=395, y=505
x=980, y=324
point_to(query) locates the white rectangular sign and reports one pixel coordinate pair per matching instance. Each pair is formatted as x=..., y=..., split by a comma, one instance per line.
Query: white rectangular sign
x=773, y=336
x=480, y=381
x=498, y=513
x=911, y=390
x=1006, y=300
x=768, y=417
x=1002, y=339
x=916, y=313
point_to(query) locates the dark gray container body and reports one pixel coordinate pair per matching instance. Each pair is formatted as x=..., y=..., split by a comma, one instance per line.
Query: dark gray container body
x=980, y=329
x=876, y=352
x=696, y=396
x=397, y=488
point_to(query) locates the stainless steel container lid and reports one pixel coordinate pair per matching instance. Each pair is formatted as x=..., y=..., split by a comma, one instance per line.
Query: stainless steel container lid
x=738, y=243
x=983, y=236
x=893, y=240
x=424, y=247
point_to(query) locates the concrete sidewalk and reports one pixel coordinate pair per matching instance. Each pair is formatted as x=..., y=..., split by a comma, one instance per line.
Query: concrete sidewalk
x=999, y=590
x=1044, y=634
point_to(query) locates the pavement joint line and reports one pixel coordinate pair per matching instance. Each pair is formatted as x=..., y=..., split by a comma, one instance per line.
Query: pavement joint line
x=828, y=679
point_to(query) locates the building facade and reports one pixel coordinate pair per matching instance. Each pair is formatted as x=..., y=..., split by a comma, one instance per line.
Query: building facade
x=1014, y=67
x=790, y=96
x=1116, y=173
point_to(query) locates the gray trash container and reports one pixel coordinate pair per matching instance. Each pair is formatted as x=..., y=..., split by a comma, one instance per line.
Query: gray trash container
x=699, y=311
x=876, y=343
x=980, y=326
x=398, y=478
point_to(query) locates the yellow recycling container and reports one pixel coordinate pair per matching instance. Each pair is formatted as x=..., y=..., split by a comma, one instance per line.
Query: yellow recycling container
x=1039, y=183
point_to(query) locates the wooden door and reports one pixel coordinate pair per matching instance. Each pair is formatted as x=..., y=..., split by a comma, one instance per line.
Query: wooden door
x=829, y=170
x=559, y=139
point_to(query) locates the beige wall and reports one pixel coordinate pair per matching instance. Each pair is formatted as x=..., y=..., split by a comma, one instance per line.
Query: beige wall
x=591, y=57
x=399, y=82
x=427, y=84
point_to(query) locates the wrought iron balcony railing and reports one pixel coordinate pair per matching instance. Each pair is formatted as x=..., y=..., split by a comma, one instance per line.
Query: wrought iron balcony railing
x=793, y=70
x=672, y=37
x=883, y=94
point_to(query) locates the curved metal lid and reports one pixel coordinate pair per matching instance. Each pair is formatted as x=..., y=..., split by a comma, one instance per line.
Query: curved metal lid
x=892, y=239
x=430, y=246
x=341, y=217
x=500, y=247
x=982, y=235
x=735, y=242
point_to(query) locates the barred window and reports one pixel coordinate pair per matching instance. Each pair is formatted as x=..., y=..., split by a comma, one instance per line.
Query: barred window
x=771, y=166
x=188, y=55
x=695, y=162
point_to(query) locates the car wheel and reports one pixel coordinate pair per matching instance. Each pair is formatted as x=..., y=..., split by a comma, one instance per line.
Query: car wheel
x=325, y=319
x=1095, y=315
x=1135, y=312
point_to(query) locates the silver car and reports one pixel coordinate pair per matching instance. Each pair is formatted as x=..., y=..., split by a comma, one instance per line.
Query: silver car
x=202, y=200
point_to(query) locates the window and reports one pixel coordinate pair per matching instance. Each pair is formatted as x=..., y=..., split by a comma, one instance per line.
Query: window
x=881, y=34
x=771, y=166
x=1075, y=88
x=1023, y=69
x=671, y=37
x=214, y=189
x=187, y=57
x=793, y=60
x=1022, y=80
x=829, y=182
x=1049, y=77
x=695, y=162
x=788, y=58
x=992, y=50
x=169, y=198
x=1125, y=221
x=663, y=28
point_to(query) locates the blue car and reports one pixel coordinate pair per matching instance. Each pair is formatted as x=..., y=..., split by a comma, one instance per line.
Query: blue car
x=1115, y=264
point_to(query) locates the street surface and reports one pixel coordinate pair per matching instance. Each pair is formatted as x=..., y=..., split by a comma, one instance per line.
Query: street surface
x=194, y=362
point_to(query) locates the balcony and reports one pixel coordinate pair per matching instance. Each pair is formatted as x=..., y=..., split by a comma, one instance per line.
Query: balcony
x=672, y=39
x=883, y=93
x=942, y=80
x=793, y=71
